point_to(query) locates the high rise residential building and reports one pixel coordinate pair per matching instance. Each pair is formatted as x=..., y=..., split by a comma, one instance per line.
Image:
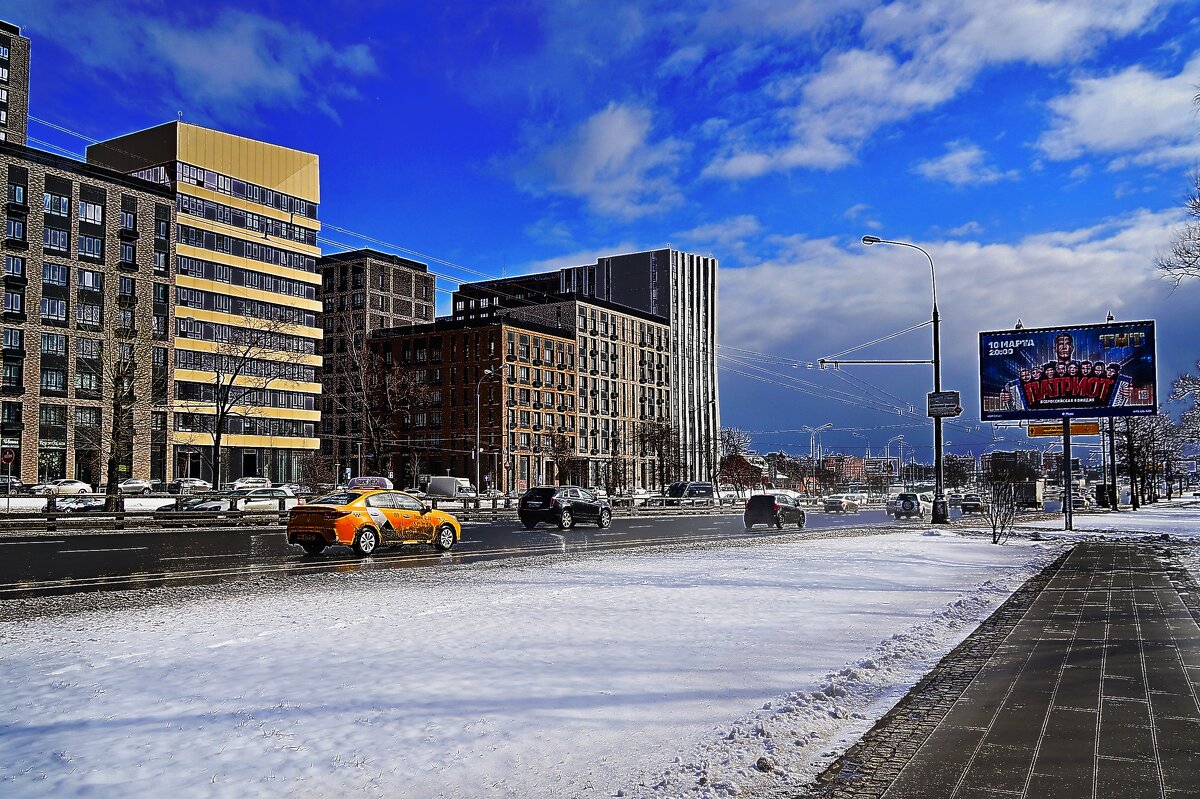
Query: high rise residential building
x=14, y=84
x=679, y=287
x=87, y=286
x=623, y=372
x=526, y=379
x=246, y=329
x=362, y=291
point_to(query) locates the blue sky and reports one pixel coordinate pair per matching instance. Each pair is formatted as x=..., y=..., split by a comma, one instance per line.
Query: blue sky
x=1039, y=151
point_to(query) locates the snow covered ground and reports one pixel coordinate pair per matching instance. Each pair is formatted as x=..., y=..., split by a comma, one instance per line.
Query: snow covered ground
x=636, y=674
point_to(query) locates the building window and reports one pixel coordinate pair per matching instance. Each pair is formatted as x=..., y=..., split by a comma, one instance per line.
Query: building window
x=14, y=266
x=91, y=280
x=54, y=344
x=54, y=310
x=86, y=314
x=128, y=286
x=16, y=192
x=52, y=415
x=54, y=275
x=55, y=239
x=12, y=375
x=12, y=338
x=125, y=319
x=91, y=212
x=160, y=292
x=128, y=221
x=84, y=381
x=127, y=252
x=54, y=380
x=14, y=301
x=57, y=204
x=160, y=261
x=87, y=417
x=14, y=229
x=91, y=246
x=87, y=347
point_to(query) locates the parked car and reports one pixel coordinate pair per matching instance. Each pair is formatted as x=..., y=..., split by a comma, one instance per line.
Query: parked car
x=1081, y=503
x=80, y=504
x=251, y=482
x=367, y=519
x=562, y=506
x=11, y=485
x=841, y=503
x=135, y=485
x=415, y=492
x=973, y=503
x=907, y=505
x=248, y=499
x=773, y=509
x=300, y=489
x=62, y=488
x=955, y=500
x=188, y=485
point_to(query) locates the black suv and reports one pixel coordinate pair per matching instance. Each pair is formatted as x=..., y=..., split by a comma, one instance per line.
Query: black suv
x=563, y=506
x=773, y=509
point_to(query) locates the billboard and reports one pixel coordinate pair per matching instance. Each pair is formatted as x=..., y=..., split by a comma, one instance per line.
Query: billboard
x=1056, y=372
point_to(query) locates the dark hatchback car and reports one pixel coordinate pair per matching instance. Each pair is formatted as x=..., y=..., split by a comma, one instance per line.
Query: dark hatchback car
x=773, y=509
x=563, y=506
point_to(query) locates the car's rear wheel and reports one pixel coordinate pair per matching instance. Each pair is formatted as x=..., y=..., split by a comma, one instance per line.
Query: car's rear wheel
x=566, y=521
x=313, y=547
x=366, y=541
x=443, y=540
x=605, y=519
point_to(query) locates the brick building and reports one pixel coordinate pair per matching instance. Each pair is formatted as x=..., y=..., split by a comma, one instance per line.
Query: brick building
x=14, y=84
x=87, y=289
x=361, y=291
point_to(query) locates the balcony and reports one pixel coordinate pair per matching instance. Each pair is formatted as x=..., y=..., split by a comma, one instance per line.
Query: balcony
x=14, y=207
x=127, y=300
x=128, y=234
x=127, y=266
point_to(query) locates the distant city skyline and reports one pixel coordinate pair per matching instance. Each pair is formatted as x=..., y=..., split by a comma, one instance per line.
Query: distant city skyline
x=1038, y=151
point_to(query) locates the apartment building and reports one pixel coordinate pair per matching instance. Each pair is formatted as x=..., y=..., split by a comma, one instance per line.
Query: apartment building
x=679, y=287
x=245, y=235
x=361, y=291
x=624, y=399
x=87, y=286
x=525, y=375
x=14, y=84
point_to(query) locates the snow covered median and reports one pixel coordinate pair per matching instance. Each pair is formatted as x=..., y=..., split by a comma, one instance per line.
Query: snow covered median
x=637, y=674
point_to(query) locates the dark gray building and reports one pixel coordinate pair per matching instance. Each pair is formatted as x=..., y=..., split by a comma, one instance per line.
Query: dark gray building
x=14, y=84
x=361, y=291
x=679, y=287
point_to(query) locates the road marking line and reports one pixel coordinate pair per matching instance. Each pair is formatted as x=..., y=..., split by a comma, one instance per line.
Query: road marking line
x=197, y=557
x=108, y=549
x=22, y=543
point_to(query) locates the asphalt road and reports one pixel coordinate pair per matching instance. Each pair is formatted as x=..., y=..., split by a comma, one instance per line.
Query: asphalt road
x=49, y=565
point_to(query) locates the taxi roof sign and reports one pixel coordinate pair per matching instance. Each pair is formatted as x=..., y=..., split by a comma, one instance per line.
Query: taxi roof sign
x=361, y=483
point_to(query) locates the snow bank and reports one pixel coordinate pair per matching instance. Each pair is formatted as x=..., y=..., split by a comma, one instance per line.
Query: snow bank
x=642, y=672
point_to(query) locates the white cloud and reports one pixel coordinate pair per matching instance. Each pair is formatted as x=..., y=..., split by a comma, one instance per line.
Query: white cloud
x=683, y=60
x=970, y=228
x=1135, y=115
x=917, y=56
x=610, y=163
x=730, y=239
x=226, y=65
x=821, y=297
x=962, y=165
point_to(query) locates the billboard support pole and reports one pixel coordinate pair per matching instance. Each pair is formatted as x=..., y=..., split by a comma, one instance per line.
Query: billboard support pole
x=1068, y=505
x=1114, y=494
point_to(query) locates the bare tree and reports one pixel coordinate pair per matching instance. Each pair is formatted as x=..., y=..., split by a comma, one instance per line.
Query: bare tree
x=1182, y=261
x=562, y=453
x=1001, y=495
x=958, y=470
x=1185, y=386
x=125, y=377
x=414, y=467
x=661, y=439
x=248, y=360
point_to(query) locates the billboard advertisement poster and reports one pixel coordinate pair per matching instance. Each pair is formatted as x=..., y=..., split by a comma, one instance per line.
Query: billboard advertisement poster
x=1057, y=372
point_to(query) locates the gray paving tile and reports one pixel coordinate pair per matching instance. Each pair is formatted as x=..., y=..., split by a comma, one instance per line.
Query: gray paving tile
x=1127, y=779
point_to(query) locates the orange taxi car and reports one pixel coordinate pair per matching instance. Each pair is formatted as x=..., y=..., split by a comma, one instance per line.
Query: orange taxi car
x=368, y=519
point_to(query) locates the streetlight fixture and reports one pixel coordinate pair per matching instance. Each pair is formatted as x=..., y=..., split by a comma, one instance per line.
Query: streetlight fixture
x=487, y=373
x=813, y=433
x=941, y=509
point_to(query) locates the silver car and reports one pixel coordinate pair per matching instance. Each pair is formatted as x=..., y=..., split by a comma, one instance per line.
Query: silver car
x=135, y=485
x=63, y=487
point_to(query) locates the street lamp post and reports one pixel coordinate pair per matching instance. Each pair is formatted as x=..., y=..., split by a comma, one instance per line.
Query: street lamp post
x=941, y=509
x=813, y=432
x=478, y=421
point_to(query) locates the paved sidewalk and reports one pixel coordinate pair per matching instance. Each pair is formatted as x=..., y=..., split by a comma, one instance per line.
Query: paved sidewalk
x=1085, y=685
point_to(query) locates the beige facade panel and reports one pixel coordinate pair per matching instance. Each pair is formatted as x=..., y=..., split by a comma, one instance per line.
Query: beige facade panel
x=237, y=440
x=280, y=168
x=187, y=281
x=246, y=263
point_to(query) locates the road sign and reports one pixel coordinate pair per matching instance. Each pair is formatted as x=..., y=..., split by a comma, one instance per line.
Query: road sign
x=1056, y=430
x=943, y=403
x=7, y=456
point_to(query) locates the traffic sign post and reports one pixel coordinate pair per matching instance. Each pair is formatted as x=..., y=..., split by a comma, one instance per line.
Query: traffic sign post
x=7, y=456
